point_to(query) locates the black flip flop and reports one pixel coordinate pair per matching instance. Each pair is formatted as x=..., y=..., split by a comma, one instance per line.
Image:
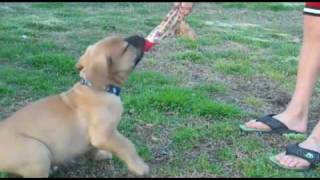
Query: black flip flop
x=312, y=157
x=275, y=125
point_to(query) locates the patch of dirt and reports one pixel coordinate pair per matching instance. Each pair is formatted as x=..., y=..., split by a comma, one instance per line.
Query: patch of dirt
x=85, y=167
x=263, y=88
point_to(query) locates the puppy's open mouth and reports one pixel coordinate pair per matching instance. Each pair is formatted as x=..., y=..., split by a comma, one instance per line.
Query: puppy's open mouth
x=138, y=42
x=138, y=59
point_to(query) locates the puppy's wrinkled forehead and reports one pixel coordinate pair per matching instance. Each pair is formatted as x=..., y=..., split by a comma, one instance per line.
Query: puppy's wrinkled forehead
x=108, y=47
x=111, y=43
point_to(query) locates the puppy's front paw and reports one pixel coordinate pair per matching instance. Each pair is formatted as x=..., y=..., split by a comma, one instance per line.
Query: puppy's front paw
x=102, y=155
x=139, y=168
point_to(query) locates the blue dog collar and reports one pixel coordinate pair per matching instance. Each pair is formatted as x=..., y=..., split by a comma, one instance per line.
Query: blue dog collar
x=110, y=89
x=113, y=89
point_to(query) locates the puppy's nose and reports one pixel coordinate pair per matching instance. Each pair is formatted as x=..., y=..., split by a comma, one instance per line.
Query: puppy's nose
x=136, y=41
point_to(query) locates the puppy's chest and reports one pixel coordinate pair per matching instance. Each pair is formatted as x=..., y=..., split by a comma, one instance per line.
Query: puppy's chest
x=71, y=143
x=112, y=107
x=115, y=110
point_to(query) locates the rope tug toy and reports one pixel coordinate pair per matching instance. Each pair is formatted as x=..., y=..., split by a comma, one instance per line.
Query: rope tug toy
x=172, y=24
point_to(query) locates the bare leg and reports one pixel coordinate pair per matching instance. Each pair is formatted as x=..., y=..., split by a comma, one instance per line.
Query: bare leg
x=308, y=70
x=296, y=114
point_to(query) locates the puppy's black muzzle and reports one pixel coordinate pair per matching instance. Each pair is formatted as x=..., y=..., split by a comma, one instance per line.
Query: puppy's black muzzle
x=137, y=42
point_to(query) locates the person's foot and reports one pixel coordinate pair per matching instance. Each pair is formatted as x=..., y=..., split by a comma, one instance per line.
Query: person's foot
x=296, y=162
x=295, y=122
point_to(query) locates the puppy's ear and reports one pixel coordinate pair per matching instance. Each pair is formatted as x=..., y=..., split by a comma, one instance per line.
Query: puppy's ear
x=97, y=73
x=118, y=49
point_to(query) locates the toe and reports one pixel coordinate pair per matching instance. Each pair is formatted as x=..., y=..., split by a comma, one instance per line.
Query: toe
x=280, y=156
x=293, y=162
x=249, y=123
x=301, y=164
x=259, y=125
x=285, y=160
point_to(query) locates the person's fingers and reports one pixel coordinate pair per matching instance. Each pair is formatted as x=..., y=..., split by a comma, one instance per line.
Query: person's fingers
x=186, y=5
x=176, y=4
x=186, y=8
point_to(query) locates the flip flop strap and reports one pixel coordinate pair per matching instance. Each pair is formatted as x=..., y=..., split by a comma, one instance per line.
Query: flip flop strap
x=273, y=123
x=312, y=157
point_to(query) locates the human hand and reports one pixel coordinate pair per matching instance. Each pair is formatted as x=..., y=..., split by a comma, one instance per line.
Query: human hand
x=185, y=7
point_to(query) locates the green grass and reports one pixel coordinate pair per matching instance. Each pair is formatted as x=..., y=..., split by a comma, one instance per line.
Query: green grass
x=185, y=138
x=216, y=88
x=249, y=145
x=140, y=80
x=223, y=130
x=212, y=39
x=3, y=175
x=203, y=164
x=233, y=68
x=193, y=56
x=253, y=101
x=225, y=153
x=265, y=6
x=187, y=101
x=144, y=151
x=250, y=37
x=187, y=43
x=261, y=167
x=48, y=6
x=184, y=102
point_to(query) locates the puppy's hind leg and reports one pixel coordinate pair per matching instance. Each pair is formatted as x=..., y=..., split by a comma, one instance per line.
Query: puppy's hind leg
x=26, y=157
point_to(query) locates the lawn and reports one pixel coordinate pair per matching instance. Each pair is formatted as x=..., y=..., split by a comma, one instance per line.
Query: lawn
x=186, y=99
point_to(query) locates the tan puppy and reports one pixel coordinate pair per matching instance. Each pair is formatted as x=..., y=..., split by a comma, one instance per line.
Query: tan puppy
x=58, y=128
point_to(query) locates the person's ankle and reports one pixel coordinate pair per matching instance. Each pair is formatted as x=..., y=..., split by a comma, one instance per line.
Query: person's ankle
x=313, y=142
x=295, y=120
x=299, y=113
x=314, y=138
x=298, y=107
